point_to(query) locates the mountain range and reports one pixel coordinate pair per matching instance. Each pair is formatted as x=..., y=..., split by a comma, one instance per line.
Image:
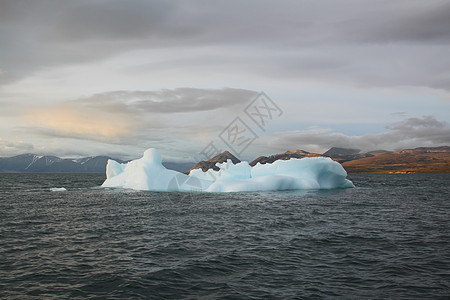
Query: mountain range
x=30, y=163
x=418, y=160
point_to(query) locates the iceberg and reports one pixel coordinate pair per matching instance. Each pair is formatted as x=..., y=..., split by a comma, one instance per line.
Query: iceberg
x=148, y=174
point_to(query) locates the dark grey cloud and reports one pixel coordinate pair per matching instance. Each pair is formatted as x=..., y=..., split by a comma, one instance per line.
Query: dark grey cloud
x=179, y=100
x=387, y=22
x=426, y=130
x=413, y=21
x=42, y=34
x=378, y=43
x=110, y=20
x=409, y=133
x=411, y=124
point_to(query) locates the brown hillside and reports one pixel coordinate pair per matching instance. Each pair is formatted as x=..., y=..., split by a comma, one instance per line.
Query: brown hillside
x=283, y=156
x=419, y=160
x=211, y=163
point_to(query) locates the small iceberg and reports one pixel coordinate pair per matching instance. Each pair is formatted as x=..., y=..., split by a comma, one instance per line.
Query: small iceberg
x=148, y=174
x=56, y=189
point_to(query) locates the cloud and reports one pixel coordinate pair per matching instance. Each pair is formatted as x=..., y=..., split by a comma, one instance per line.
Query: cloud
x=179, y=100
x=56, y=50
x=412, y=124
x=386, y=22
x=8, y=148
x=426, y=130
x=409, y=133
x=44, y=34
x=159, y=118
x=122, y=20
x=375, y=43
x=68, y=121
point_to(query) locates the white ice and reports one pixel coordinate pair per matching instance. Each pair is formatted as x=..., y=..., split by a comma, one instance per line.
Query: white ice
x=61, y=189
x=148, y=173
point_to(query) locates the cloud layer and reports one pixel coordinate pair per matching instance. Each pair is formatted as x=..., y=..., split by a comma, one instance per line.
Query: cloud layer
x=409, y=133
x=379, y=43
x=183, y=121
x=114, y=77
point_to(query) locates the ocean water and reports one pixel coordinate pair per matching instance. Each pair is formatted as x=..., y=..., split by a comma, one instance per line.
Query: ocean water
x=387, y=238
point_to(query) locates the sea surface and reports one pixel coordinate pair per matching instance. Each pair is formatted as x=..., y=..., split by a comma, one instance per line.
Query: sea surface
x=387, y=238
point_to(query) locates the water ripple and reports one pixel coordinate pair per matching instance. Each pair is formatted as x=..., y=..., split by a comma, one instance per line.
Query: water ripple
x=388, y=238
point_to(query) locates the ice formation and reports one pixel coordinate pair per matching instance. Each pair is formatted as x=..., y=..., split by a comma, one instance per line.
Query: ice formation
x=148, y=173
x=56, y=189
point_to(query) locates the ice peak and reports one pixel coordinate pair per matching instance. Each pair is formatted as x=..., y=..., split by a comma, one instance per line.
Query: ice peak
x=152, y=155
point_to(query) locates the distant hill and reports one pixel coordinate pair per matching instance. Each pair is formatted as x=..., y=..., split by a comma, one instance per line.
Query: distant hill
x=342, y=155
x=419, y=160
x=283, y=156
x=335, y=151
x=179, y=167
x=31, y=163
x=378, y=152
x=211, y=163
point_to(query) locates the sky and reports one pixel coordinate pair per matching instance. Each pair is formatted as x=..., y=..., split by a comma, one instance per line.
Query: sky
x=190, y=78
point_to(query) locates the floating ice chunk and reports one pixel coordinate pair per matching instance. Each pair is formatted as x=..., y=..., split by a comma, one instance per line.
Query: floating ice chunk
x=293, y=174
x=114, y=168
x=148, y=173
x=55, y=189
x=310, y=172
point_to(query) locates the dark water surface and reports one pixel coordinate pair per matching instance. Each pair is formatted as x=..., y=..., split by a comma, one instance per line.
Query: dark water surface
x=387, y=238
